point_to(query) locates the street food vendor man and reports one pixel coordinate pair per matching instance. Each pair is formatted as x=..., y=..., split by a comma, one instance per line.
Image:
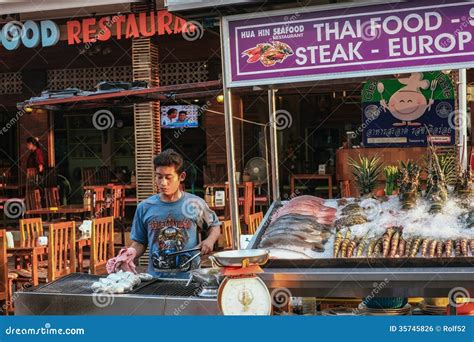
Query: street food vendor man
x=169, y=222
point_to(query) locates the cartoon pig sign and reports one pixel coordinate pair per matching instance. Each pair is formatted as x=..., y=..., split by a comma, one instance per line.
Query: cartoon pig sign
x=408, y=103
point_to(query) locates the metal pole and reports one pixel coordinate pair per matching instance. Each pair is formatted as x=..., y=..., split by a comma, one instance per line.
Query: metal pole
x=230, y=149
x=273, y=144
x=462, y=89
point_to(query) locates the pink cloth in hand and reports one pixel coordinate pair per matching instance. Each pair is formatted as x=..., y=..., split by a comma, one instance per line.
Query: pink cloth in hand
x=123, y=261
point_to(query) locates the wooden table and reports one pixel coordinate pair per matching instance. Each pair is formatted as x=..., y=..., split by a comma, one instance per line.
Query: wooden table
x=10, y=186
x=110, y=186
x=64, y=209
x=32, y=250
x=311, y=176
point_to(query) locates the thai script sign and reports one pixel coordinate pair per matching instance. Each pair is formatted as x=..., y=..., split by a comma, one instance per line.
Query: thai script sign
x=284, y=46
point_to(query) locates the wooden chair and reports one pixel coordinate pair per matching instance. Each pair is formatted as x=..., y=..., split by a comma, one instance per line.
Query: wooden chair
x=249, y=201
x=4, y=176
x=31, y=177
x=31, y=228
x=118, y=210
x=227, y=232
x=52, y=197
x=102, y=245
x=254, y=222
x=33, y=199
x=103, y=175
x=99, y=192
x=246, y=202
x=62, y=249
x=88, y=176
x=6, y=278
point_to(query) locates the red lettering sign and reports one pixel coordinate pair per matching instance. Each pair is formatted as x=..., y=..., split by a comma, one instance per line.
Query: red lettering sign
x=90, y=30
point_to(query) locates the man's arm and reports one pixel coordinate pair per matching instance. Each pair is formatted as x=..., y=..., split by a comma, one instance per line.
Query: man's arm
x=139, y=247
x=207, y=245
x=40, y=159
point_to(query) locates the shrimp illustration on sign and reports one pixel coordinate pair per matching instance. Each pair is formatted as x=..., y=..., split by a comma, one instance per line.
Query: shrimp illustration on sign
x=268, y=54
x=408, y=103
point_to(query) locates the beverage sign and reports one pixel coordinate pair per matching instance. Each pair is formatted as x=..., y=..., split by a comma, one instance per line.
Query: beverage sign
x=288, y=46
x=409, y=111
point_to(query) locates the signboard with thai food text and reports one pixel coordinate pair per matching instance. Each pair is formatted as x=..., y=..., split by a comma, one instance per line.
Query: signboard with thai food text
x=411, y=110
x=328, y=42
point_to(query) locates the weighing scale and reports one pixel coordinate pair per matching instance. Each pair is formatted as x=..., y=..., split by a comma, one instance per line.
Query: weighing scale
x=243, y=293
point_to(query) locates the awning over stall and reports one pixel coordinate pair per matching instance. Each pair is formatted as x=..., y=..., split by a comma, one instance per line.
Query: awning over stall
x=69, y=100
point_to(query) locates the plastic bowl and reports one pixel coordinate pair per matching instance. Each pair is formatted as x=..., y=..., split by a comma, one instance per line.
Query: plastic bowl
x=386, y=302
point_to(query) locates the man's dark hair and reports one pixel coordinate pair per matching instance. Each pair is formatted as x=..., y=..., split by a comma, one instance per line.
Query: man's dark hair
x=183, y=112
x=171, y=111
x=170, y=157
x=33, y=141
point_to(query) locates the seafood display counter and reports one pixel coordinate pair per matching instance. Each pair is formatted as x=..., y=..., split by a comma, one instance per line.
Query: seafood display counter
x=72, y=295
x=323, y=275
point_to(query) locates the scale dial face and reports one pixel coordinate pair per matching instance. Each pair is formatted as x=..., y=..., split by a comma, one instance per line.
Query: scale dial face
x=244, y=297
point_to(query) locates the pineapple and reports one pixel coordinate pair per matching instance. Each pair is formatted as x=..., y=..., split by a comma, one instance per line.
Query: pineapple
x=436, y=189
x=391, y=174
x=409, y=184
x=365, y=172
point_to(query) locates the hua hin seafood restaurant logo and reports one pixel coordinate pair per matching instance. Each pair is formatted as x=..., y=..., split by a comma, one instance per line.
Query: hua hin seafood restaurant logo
x=47, y=33
x=268, y=54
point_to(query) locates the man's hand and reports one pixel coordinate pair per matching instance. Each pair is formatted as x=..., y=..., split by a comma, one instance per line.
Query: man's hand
x=206, y=246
